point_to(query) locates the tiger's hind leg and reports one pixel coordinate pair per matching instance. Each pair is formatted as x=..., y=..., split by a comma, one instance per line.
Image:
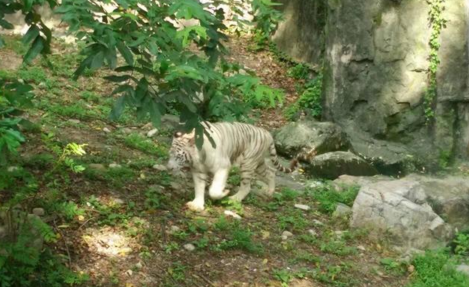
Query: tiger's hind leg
x=267, y=175
x=247, y=174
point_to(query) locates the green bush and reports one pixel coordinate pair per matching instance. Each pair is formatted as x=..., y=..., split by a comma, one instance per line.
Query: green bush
x=436, y=269
x=328, y=198
x=309, y=100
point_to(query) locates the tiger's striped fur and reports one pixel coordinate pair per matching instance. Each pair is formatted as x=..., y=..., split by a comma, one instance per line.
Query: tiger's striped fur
x=249, y=147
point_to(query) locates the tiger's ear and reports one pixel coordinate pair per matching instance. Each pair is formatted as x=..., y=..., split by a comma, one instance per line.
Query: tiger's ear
x=191, y=137
x=177, y=134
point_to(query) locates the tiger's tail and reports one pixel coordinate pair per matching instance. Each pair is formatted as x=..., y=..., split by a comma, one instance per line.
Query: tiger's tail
x=294, y=163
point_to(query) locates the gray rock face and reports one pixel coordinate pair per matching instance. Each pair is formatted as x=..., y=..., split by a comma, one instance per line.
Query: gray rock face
x=299, y=35
x=415, y=212
x=375, y=76
x=334, y=164
x=303, y=136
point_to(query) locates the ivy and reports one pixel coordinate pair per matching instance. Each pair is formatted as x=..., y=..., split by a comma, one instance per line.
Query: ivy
x=437, y=23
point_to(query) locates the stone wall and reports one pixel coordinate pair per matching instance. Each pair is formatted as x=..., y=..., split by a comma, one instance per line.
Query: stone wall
x=376, y=71
x=300, y=34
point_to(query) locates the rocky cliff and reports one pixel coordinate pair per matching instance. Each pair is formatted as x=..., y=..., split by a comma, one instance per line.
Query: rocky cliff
x=376, y=72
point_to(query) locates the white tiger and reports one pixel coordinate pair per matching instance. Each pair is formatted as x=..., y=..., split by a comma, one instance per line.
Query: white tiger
x=240, y=144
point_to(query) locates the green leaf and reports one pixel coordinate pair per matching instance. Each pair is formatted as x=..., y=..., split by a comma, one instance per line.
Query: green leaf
x=6, y=25
x=185, y=33
x=2, y=43
x=155, y=114
x=33, y=33
x=125, y=52
x=27, y=5
x=36, y=48
x=118, y=108
x=97, y=61
x=119, y=79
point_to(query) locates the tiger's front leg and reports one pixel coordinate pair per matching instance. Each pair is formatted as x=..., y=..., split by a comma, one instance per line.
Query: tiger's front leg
x=199, y=185
x=217, y=189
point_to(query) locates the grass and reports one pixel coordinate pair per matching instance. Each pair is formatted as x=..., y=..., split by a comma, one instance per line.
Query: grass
x=85, y=208
x=145, y=145
x=436, y=269
x=328, y=198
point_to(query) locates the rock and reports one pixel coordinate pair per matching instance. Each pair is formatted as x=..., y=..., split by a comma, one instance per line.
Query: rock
x=376, y=79
x=189, y=247
x=448, y=197
x=286, y=235
x=286, y=180
x=361, y=247
x=334, y=164
x=139, y=265
x=152, y=133
x=339, y=233
x=173, y=229
x=115, y=165
x=170, y=121
x=232, y=214
x=389, y=158
x=106, y=130
x=39, y=211
x=346, y=181
x=463, y=268
x=342, y=210
x=176, y=186
x=160, y=167
x=118, y=201
x=126, y=131
x=306, y=135
x=129, y=273
x=312, y=232
x=13, y=168
x=314, y=184
x=74, y=121
x=300, y=37
x=97, y=166
x=317, y=222
x=302, y=207
x=400, y=209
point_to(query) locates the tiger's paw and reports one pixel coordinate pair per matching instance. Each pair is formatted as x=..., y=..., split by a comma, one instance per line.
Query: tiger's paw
x=195, y=206
x=217, y=196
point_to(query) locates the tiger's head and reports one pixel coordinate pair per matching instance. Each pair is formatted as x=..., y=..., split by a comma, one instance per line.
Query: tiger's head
x=180, y=153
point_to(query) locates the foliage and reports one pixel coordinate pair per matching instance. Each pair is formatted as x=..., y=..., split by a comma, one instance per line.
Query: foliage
x=236, y=236
x=159, y=69
x=328, y=198
x=14, y=97
x=145, y=145
x=309, y=100
x=437, y=23
x=434, y=269
x=461, y=244
x=266, y=19
x=38, y=36
x=299, y=72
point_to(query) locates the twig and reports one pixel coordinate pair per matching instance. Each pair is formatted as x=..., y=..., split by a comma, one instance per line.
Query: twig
x=66, y=246
x=204, y=278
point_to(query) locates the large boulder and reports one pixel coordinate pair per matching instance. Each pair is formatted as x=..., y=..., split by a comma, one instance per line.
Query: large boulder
x=334, y=164
x=304, y=135
x=390, y=158
x=415, y=212
x=399, y=211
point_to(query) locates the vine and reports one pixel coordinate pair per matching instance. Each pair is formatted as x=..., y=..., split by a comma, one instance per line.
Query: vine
x=437, y=23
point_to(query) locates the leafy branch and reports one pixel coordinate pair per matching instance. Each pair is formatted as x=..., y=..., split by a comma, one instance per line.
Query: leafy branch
x=437, y=23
